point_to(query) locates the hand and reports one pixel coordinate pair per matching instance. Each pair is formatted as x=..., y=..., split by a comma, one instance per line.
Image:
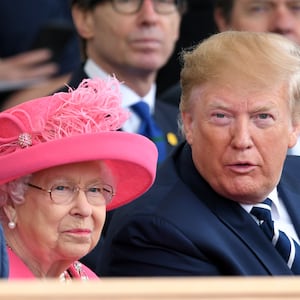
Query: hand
x=27, y=66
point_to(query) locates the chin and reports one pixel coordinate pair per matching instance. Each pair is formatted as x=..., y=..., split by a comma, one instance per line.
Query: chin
x=77, y=251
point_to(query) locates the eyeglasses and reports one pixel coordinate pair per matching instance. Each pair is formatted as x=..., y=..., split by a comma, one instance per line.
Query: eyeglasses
x=96, y=194
x=128, y=7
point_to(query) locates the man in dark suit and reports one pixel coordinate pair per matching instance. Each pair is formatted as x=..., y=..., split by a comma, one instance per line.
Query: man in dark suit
x=131, y=40
x=240, y=114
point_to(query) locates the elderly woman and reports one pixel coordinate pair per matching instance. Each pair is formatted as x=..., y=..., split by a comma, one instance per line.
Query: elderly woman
x=63, y=164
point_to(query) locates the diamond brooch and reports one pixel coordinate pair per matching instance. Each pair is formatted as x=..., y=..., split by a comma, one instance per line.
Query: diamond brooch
x=25, y=140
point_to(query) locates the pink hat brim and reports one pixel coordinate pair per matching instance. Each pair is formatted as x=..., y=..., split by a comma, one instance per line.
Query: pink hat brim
x=132, y=158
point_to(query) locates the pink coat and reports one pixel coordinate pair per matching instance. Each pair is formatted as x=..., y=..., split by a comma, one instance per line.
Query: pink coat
x=18, y=270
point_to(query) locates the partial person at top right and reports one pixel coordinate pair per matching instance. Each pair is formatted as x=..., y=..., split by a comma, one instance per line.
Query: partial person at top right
x=277, y=16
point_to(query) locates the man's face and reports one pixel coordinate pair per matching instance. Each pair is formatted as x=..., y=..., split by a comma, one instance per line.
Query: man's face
x=239, y=137
x=139, y=43
x=278, y=16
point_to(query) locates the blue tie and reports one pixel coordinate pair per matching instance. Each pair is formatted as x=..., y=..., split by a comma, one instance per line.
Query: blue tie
x=285, y=245
x=149, y=129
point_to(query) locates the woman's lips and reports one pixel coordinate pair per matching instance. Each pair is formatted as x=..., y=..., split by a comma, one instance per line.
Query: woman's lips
x=78, y=231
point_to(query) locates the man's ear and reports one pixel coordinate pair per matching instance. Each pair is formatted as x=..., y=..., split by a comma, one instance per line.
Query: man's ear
x=220, y=20
x=187, y=122
x=294, y=135
x=83, y=22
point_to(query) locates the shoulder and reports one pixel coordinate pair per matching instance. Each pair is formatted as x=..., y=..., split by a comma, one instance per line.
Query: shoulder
x=291, y=165
x=290, y=173
x=166, y=116
x=169, y=200
x=172, y=95
x=76, y=77
x=165, y=108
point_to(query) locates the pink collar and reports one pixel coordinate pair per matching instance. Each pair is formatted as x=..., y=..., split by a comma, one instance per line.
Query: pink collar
x=17, y=269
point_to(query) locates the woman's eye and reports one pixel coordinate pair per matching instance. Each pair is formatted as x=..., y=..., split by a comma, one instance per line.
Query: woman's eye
x=61, y=188
x=95, y=190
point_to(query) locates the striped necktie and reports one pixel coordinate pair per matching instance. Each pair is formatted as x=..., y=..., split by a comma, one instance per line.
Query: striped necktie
x=149, y=128
x=285, y=245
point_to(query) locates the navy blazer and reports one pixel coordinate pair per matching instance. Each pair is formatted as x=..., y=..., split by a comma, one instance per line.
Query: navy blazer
x=172, y=94
x=181, y=227
x=4, y=267
x=165, y=114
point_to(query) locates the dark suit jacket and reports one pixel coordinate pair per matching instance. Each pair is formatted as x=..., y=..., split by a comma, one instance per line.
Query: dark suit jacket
x=181, y=227
x=172, y=94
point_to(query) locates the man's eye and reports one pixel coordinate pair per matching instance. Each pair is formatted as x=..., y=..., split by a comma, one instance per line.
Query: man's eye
x=264, y=116
x=219, y=115
x=258, y=8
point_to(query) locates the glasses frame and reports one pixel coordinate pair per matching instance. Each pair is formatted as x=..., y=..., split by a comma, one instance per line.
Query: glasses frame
x=78, y=188
x=179, y=5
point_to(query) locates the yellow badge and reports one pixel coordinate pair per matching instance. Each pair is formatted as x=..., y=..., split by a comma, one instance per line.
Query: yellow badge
x=172, y=139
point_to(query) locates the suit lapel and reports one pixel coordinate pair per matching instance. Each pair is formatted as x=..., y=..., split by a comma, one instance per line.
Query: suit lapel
x=233, y=216
x=77, y=76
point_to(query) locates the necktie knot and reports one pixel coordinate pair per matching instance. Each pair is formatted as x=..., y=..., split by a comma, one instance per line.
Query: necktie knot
x=142, y=109
x=149, y=128
x=262, y=211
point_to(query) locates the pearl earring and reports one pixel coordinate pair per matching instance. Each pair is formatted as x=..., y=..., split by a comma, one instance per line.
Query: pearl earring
x=11, y=225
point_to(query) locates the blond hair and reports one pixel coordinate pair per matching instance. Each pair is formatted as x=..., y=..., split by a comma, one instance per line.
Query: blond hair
x=261, y=59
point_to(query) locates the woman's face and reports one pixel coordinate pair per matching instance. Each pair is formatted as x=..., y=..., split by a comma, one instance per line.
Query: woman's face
x=52, y=232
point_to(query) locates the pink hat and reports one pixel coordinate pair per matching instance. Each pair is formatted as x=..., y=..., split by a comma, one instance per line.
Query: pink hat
x=81, y=125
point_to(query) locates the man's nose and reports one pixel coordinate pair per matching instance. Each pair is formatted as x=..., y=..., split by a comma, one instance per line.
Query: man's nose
x=241, y=135
x=283, y=20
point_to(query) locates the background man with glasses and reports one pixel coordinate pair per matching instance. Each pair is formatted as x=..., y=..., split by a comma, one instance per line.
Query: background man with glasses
x=132, y=40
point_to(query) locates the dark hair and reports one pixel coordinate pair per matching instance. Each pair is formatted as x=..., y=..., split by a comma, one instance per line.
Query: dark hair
x=225, y=6
x=89, y=4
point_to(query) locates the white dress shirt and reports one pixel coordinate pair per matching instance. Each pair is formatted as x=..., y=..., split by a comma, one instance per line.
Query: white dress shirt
x=129, y=97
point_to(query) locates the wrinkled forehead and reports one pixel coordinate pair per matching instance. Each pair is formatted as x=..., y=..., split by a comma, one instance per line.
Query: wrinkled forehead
x=75, y=172
x=237, y=95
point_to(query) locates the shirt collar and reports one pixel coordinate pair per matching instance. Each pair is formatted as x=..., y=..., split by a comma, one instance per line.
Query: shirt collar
x=275, y=206
x=129, y=97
